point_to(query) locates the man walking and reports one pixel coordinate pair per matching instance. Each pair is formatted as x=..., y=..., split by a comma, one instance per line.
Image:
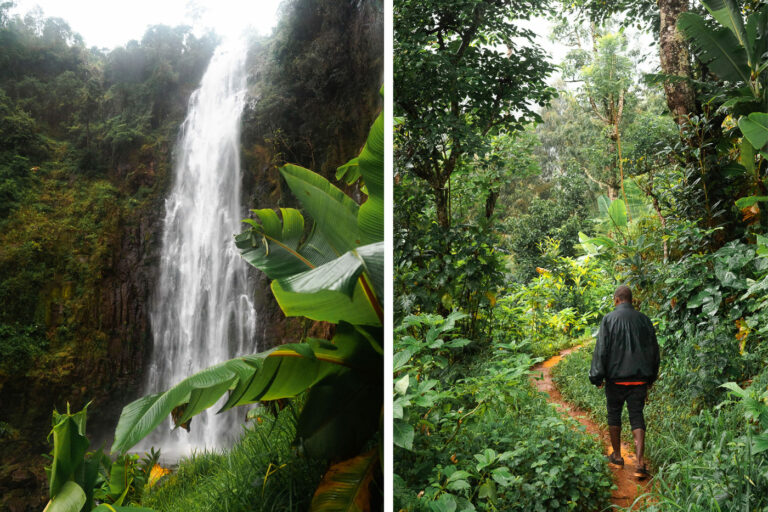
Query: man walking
x=626, y=357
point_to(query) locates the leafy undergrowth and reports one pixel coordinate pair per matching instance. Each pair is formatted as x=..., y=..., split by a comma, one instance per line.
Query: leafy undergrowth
x=260, y=473
x=471, y=433
x=704, y=458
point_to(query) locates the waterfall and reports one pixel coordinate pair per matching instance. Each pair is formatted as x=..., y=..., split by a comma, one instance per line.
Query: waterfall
x=202, y=313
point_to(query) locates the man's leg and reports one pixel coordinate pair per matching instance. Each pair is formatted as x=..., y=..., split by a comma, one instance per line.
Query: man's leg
x=615, y=433
x=639, y=435
x=614, y=404
x=635, y=405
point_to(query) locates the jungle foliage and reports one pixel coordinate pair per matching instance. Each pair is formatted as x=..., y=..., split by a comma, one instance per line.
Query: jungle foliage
x=687, y=233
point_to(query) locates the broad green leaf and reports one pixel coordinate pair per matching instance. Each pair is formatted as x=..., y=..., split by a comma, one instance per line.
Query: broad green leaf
x=759, y=443
x=373, y=257
x=371, y=163
x=119, y=481
x=719, y=48
x=339, y=275
x=69, y=498
x=728, y=14
x=286, y=372
x=328, y=306
x=458, y=475
x=345, y=486
x=69, y=447
x=142, y=416
x=762, y=245
x=445, y=503
x=755, y=129
x=757, y=37
x=746, y=202
x=747, y=155
x=91, y=476
x=618, y=213
x=735, y=389
x=349, y=172
x=334, y=213
x=346, y=289
x=276, y=247
x=402, y=434
x=401, y=386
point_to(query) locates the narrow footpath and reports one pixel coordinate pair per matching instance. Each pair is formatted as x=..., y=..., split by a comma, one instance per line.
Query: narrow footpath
x=628, y=487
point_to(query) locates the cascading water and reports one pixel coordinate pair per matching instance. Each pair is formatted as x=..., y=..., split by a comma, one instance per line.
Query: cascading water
x=202, y=313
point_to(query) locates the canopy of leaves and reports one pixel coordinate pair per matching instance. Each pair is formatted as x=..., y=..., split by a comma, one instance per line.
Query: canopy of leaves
x=455, y=83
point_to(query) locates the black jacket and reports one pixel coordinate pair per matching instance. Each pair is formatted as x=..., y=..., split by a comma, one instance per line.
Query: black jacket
x=626, y=348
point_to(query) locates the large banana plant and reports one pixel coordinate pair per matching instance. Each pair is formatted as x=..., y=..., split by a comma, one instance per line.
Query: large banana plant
x=737, y=52
x=332, y=272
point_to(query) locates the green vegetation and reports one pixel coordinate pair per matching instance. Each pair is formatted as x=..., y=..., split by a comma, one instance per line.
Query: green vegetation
x=657, y=181
x=80, y=480
x=261, y=472
x=85, y=149
x=472, y=434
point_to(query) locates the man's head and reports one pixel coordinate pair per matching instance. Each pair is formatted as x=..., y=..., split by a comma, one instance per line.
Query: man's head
x=622, y=294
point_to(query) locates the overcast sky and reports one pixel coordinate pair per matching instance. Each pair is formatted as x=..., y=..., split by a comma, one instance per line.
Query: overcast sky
x=111, y=23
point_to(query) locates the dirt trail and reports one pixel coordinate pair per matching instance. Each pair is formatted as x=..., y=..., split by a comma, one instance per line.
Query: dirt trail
x=629, y=487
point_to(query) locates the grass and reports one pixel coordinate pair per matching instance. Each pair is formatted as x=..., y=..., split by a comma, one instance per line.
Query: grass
x=260, y=473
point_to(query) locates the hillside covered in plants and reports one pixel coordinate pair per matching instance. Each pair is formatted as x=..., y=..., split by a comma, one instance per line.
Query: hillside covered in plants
x=528, y=189
x=87, y=148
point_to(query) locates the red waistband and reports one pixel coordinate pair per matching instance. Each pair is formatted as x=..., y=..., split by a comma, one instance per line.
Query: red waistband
x=633, y=383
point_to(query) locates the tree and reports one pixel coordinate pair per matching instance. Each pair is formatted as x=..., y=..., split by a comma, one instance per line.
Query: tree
x=607, y=80
x=456, y=86
x=660, y=17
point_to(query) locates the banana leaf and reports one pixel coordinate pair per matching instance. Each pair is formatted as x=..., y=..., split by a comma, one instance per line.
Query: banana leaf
x=728, y=14
x=276, y=247
x=719, y=48
x=293, y=368
x=371, y=164
x=757, y=36
x=282, y=372
x=112, y=508
x=341, y=414
x=346, y=485
x=69, y=447
x=338, y=290
x=142, y=416
x=617, y=212
x=69, y=498
x=755, y=129
x=334, y=213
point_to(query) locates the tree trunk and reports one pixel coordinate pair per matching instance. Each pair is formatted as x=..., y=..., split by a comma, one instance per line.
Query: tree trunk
x=441, y=205
x=675, y=60
x=490, y=203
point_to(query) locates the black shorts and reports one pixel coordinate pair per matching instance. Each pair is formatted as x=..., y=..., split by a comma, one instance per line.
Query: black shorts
x=616, y=395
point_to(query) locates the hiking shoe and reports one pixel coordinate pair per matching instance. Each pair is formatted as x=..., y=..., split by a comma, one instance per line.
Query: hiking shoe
x=641, y=473
x=616, y=461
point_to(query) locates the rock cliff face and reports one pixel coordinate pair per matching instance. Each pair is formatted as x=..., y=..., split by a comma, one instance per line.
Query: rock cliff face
x=314, y=91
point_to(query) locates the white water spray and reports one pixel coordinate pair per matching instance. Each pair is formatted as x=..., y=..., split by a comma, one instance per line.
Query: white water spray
x=202, y=313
